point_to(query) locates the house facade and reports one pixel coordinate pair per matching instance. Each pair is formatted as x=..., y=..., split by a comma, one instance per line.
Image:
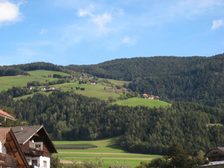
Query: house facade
x=35, y=144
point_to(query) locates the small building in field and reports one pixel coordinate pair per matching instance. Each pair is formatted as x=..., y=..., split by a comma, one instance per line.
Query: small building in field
x=215, y=154
x=11, y=155
x=215, y=157
x=35, y=144
x=151, y=97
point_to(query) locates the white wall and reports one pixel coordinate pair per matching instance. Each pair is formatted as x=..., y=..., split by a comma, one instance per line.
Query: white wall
x=40, y=161
x=44, y=160
x=2, y=148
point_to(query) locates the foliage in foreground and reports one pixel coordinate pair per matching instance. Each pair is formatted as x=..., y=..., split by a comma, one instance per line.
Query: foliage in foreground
x=177, y=158
x=55, y=163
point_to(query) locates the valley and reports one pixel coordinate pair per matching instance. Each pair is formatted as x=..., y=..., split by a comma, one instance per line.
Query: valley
x=104, y=152
x=85, y=108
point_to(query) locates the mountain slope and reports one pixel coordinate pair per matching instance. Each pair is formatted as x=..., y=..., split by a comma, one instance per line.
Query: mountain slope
x=175, y=78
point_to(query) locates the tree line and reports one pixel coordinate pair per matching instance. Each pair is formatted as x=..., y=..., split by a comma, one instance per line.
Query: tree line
x=68, y=116
x=194, y=79
x=20, y=69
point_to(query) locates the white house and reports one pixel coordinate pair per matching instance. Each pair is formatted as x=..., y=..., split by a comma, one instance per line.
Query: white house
x=35, y=144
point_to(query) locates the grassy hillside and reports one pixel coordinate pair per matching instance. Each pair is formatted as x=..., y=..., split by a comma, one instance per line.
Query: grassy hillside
x=104, y=89
x=135, y=101
x=100, y=91
x=7, y=82
x=103, y=151
x=195, y=79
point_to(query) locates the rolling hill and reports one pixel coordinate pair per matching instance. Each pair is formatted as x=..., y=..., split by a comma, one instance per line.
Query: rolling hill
x=71, y=103
x=136, y=101
x=7, y=82
x=104, y=89
x=195, y=79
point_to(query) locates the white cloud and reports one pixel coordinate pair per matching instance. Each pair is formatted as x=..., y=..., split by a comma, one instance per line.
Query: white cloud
x=108, y=23
x=102, y=21
x=128, y=40
x=9, y=12
x=99, y=20
x=216, y=24
x=86, y=11
x=43, y=31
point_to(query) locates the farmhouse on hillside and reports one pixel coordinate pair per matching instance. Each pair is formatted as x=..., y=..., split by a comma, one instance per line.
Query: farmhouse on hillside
x=151, y=97
x=215, y=157
x=11, y=155
x=35, y=144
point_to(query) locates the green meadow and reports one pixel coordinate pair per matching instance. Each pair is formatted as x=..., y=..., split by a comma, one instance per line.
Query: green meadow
x=7, y=82
x=100, y=151
x=100, y=91
x=136, y=101
x=104, y=89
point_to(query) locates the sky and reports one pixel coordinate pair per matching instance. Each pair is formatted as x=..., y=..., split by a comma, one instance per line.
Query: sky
x=92, y=31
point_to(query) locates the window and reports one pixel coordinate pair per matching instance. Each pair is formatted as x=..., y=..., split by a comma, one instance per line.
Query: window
x=45, y=164
x=34, y=162
x=31, y=144
x=39, y=145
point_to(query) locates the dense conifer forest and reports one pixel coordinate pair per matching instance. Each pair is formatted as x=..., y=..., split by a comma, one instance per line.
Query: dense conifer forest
x=69, y=116
x=194, y=86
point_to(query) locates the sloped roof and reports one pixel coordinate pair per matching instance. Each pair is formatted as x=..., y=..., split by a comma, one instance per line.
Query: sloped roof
x=25, y=133
x=6, y=115
x=218, y=151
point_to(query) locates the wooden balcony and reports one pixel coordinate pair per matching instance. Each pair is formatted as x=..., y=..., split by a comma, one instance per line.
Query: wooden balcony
x=34, y=152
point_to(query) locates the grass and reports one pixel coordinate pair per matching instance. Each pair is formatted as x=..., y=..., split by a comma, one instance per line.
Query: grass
x=7, y=82
x=98, y=91
x=45, y=73
x=118, y=82
x=104, y=152
x=135, y=101
x=101, y=90
x=75, y=146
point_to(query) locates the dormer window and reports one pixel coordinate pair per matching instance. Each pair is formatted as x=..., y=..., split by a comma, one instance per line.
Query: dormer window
x=38, y=145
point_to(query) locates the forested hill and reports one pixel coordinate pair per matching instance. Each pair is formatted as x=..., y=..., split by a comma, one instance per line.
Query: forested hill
x=198, y=79
x=21, y=69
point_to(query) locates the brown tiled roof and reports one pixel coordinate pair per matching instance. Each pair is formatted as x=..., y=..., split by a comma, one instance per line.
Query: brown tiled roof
x=25, y=133
x=215, y=152
x=6, y=115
